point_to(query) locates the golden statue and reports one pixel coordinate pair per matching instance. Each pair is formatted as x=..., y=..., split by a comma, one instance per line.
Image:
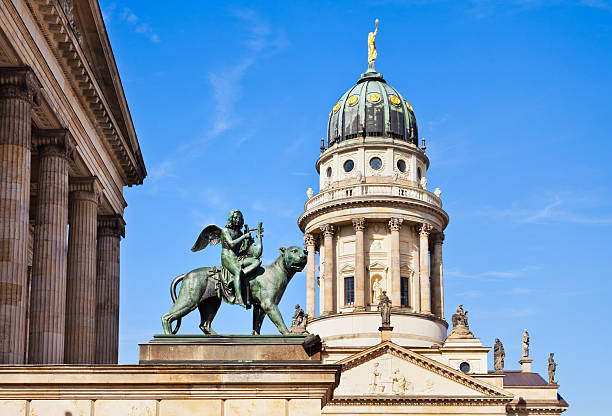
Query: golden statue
x=372, y=47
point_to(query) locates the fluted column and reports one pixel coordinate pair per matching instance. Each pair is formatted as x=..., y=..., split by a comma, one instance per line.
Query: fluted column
x=328, y=269
x=395, y=224
x=437, y=287
x=18, y=89
x=310, y=241
x=80, y=345
x=48, y=297
x=424, y=268
x=360, y=285
x=110, y=230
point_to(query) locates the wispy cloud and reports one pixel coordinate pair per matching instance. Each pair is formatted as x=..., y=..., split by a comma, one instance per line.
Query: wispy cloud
x=490, y=274
x=260, y=40
x=554, y=211
x=128, y=16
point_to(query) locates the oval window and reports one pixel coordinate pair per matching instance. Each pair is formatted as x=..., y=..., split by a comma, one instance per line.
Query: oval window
x=401, y=165
x=329, y=172
x=375, y=163
x=419, y=174
x=464, y=367
x=349, y=165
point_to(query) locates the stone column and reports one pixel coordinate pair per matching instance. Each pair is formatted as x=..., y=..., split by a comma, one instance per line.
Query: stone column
x=437, y=287
x=360, y=281
x=310, y=241
x=48, y=297
x=110, y=230
x=18, y=90
x=328, y=269
x=80, y=345
x=396, y=284
x=424, y=268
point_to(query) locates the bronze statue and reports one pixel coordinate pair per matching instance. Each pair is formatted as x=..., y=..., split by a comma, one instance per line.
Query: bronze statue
x=238, y=255
x=552, y=368
x=241, y=279
x=498, y=355
x=384, y=306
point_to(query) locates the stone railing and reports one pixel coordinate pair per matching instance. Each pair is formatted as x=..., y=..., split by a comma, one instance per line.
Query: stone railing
x=377, y=189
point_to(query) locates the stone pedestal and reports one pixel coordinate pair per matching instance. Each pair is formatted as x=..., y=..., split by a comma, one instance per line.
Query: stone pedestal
x=230, y=348
x=385, y=333
x=525, y=365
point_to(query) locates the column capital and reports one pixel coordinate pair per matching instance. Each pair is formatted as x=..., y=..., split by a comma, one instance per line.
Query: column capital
x=359, y=223
x=328, y=230
x=58, y=142
x=111, y=225
x=425, y=229
x=311, y=240
x=88, y=188
x=395, y=223
x=20, y=83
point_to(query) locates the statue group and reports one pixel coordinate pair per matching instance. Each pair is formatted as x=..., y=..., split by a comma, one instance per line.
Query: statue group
x=241, y=279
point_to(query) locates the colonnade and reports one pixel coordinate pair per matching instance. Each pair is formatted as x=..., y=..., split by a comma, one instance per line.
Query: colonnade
x=73, y=291
x=428, y=287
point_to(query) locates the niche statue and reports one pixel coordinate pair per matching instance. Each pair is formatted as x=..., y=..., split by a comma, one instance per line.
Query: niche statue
x=241, y=279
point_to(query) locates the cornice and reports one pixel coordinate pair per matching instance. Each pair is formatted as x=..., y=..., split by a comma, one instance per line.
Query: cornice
x=370, y=201
x=419, y=401
x=62, y=40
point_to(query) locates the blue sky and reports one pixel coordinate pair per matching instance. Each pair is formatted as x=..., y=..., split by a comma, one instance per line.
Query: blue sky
x=230, y=102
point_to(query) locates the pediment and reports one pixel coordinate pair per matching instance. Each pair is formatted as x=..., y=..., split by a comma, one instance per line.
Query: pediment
x=376, y=265
x=388, y=370
x=347, y=268
x=405, y=268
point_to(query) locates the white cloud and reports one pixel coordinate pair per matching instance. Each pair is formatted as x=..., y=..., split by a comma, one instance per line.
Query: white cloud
x=128, y=16
x=490, y=274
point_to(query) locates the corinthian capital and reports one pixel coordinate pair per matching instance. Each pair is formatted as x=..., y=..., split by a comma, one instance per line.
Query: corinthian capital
x=328, y=230
x=359, y=224
x=310, y=240
x=395, y=224
x=425, y=230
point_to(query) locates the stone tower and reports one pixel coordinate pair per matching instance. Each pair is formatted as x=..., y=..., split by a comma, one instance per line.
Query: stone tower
x=374, y=223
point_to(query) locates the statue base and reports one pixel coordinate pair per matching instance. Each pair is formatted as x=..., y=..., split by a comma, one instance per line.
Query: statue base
x=177, y=349
x=385, y=332
x=525, y=364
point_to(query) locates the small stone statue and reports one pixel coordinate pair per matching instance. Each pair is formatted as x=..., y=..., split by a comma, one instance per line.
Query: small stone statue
x=309, y=193
x=525, y=344
x=498, y=355
x=460, y=325
x=438, y=192
x=552, y=368
x=299, y=322
x=424, y=183
x=384, y=306
x=398, y=385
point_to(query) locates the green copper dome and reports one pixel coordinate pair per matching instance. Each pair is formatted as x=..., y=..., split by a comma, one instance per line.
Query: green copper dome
x=372, y=108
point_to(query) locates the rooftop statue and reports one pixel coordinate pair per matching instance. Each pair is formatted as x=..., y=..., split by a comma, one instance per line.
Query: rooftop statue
x=384, y=306
x=552, y=368
x=241, y=280
x=498, y=356
x=525, y=344
x=372, y=47
x=461, y=328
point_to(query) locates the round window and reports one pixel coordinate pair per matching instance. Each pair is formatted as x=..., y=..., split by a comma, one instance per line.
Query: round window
x=329, y=172
x=464, y=367
x=401, y=165
x=349, y=165
x=375, y=163
x=419, y=174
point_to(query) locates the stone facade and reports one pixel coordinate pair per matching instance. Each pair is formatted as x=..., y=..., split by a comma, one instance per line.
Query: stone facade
x=67, y=149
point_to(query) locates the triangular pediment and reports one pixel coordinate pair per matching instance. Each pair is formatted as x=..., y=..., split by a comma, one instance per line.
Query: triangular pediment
x=376, y=265
x=347, y=268
x=388, y=370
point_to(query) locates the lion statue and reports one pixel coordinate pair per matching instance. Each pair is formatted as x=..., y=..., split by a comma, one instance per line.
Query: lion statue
x=201, y=288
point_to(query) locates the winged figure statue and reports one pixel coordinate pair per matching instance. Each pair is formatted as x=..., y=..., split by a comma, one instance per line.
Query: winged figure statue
x=239, y=255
